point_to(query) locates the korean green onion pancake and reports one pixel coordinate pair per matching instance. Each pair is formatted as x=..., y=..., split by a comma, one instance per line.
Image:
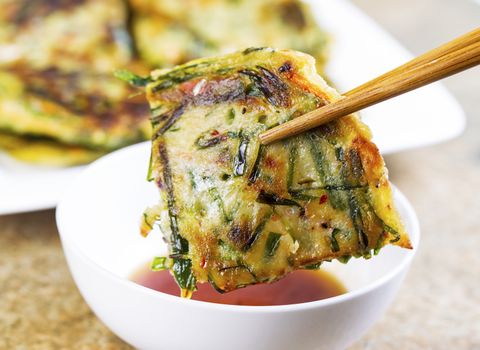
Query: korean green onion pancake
x=237, y=213
x=59, y=102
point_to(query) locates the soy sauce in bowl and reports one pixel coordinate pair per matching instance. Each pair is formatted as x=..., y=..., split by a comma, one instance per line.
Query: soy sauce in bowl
x=298, y=287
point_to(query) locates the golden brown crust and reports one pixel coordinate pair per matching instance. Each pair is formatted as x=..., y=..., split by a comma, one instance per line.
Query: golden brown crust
x=45, y=152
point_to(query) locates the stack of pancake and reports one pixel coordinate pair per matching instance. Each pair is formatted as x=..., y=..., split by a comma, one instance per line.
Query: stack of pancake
x=59, y=101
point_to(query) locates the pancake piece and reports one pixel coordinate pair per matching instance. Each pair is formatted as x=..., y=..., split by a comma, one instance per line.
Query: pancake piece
x=76, y=108
x=43, y=151
x=163, y=42
x=57, y=90
x=236, y=213
x=67, y=34
x=199, y=28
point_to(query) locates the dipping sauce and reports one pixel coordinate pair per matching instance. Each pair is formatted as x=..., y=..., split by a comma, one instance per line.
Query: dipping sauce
x=298, y=287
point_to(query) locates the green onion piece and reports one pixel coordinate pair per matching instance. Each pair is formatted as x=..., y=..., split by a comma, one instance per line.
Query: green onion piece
x=150, y=176
x=160, y=263
x=182, y=271
x=240, y=163
x=209, y=138
x=333, y=240
x=273, y=241
x=131, y=78
x=344, y=259
x=273, y=199
x=312, y=266
x=216, y=197
x=230, y=116
x=257, y=232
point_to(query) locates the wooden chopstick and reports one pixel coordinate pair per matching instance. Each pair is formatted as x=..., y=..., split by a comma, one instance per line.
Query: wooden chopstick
x=462, y=41
x=451, y=58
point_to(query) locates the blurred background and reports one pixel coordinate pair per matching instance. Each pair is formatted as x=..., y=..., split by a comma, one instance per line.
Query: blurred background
x=438, y=306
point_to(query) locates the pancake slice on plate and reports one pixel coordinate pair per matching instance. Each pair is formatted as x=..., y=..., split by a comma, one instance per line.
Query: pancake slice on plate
x=76, y=108
x=69, y=34
x=198, y=28
x=58, y=96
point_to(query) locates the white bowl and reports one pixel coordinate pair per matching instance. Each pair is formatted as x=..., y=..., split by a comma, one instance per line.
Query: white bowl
x=98, y=223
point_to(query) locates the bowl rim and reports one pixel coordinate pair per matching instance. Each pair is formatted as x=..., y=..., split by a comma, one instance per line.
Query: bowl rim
x=400, y=200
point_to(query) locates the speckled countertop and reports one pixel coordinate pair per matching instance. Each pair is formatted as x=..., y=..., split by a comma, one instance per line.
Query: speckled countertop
x=438, y=306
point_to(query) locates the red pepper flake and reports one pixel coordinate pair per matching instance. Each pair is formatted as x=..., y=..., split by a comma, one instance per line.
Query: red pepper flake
x=270, y=162
x=203, y=263
x=215, y=132
x=188, y=86
x=323, y=199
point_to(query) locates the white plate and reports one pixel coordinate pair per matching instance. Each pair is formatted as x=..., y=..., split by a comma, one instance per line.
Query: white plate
x=26, y=187
x=361, y=51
